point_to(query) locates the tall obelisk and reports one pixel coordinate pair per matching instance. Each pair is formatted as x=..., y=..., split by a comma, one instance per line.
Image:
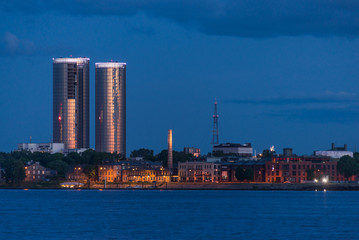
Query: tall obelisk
x=170, y=156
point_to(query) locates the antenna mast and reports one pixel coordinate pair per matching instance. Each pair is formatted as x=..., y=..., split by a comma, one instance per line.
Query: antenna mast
x=215, y=124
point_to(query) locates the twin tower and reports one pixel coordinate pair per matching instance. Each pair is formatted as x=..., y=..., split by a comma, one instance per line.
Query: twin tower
x=71, y=104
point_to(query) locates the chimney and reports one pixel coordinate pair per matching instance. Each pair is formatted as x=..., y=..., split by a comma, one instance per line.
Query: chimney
x=170, y=157
x=333, y=146
x=345, y=147
x=287, y=152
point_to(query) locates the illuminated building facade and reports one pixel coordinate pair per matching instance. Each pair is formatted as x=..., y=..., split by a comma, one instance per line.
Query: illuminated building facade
x=295, y=169
x=133, y=171
x=36, y=172
x=111, y=107
x=71, y=102
x=199, y=172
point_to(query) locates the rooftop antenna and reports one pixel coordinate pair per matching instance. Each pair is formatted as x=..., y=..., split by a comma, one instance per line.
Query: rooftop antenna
x=215, y=125
x=30, y=139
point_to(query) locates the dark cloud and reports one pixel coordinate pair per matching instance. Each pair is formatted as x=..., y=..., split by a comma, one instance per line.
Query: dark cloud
x=238, y=18
x=321, y=116
x=330, y=107
x=327, y=98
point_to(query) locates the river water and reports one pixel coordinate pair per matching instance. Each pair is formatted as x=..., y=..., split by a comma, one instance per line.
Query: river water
x=136, y=214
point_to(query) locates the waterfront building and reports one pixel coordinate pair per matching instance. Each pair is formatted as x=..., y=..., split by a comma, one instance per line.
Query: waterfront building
x=142, y=174
x=196, y=152
x=110, y=109
x=133, y=171
x=295, y=169
x=228, y=170
x=199, y=172
x=2, y=171
x=110, y=172
x=242, y=150
x=76, y=174
x=71, y=102
x=36, y=172
x=42, y=147
x=335, y=152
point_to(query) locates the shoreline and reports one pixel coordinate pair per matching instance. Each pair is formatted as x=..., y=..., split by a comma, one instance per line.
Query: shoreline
x=209, y=186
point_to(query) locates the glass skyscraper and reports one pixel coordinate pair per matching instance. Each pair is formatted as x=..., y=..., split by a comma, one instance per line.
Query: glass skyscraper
x=110, y=110
x=71, y=102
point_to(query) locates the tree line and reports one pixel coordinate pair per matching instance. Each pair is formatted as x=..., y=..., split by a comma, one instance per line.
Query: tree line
x=14, y=163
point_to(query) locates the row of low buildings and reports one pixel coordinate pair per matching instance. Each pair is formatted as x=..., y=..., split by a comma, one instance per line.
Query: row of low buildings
x=283, y=168
x=123, y=171
x=130, y=171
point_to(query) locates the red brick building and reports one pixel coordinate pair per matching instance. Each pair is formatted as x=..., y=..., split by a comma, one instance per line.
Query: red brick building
x=294, y=169
x=228, y=171
x=76, y=174
x=36, y=172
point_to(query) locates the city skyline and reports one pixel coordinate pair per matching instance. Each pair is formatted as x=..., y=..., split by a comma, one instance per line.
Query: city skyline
x=278, y=81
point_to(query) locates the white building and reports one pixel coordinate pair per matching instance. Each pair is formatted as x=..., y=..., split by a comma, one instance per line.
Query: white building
x=199, y=171
x=42, y=147
x=243, y=150
x=335, y=152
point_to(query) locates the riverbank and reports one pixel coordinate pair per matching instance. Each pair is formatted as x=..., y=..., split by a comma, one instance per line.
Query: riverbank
x=201, y=186
x=264, y=186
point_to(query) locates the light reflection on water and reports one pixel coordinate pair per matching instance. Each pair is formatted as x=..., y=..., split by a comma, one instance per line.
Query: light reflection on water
x=71, y=214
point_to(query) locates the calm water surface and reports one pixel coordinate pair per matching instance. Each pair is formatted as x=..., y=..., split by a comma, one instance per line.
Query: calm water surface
x=66, y=214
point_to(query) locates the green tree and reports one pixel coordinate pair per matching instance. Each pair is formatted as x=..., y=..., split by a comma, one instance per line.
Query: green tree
x=310, y=173
x=60, y=166
x=244, y=173
x=73, y=158
x=177, y=157
x=146, y=154
x=90, y=171
x=348, y=166
x=14, y=171
x=267, y=154
x=356, y=157
x=92, y=157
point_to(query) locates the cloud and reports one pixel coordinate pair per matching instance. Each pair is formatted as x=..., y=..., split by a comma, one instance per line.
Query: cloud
x=327, y=98
x=12, y=45
x=321, y=116
x=330, y=107
x=237, y=18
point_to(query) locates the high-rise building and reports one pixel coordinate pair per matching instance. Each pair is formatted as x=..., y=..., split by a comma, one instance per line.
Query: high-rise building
x=71, y=102
x=111, y=107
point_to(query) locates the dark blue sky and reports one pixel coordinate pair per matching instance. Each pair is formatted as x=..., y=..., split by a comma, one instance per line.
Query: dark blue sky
x=285, y=73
